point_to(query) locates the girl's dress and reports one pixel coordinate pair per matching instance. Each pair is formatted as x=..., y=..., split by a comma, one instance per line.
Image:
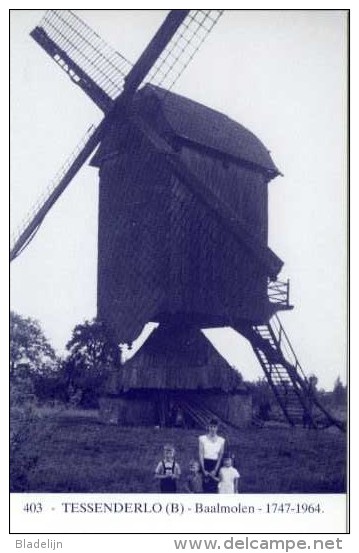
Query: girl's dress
x=227, y=476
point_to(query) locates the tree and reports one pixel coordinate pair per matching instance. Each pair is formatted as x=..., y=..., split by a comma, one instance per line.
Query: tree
x=313, y=381
x=92, y=352
x=262, y=397
x=32, y=362
x=339, y=392
x=32, y=358
x=30, y=351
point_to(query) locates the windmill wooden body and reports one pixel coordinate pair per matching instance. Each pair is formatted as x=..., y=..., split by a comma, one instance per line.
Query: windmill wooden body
x=183, y=213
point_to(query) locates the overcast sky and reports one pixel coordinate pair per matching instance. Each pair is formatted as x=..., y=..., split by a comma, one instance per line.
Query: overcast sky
x=282, y=74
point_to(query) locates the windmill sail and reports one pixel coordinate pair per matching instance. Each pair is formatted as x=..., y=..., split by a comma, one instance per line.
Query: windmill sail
x=182, y=47
x=100, y=70
x=67, y=172
x=104, y=75
x=89, y=61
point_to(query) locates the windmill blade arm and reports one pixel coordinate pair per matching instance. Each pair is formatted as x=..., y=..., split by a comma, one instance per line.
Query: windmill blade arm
x=88, y=60
x=55, y=189
x=182, y=47
x=102, y=72
x=155, y=49
x=74, y=71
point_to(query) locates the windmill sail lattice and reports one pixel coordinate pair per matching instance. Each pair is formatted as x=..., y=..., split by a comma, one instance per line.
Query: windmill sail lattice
x=99, y=69
x=101, y=72
x=182, y=47
x=90, y=62
x=31, y=223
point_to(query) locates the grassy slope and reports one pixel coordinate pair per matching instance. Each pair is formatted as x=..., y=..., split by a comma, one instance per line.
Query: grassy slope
x=78, y=454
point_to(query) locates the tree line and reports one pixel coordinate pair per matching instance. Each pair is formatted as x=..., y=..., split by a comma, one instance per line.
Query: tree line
x=38, y=373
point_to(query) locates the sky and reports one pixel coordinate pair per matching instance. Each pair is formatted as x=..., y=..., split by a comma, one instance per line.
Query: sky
x=281, y=74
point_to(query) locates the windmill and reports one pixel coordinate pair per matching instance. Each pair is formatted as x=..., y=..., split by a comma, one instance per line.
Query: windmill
x=183, y=205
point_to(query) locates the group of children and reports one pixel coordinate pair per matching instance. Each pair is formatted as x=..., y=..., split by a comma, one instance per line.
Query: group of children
x=168, y=473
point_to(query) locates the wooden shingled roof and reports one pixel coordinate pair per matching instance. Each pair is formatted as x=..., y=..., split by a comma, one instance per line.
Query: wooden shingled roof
x=186, y=362
x=204, y=126
x=172, y=115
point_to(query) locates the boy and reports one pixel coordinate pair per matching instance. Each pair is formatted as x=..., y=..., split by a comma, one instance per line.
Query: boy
x=168, y=470
x=194, y=480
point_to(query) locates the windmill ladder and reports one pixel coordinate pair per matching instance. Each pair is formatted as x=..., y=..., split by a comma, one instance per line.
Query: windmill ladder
x=295, y=394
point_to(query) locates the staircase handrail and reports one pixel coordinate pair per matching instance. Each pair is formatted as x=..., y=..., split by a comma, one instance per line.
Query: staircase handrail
x=284, y=340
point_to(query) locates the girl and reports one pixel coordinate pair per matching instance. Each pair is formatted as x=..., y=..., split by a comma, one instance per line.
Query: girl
x=211, y=448
x=228, y=476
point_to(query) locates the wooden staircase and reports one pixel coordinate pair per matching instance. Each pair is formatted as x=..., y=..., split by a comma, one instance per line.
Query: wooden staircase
x=294, y=392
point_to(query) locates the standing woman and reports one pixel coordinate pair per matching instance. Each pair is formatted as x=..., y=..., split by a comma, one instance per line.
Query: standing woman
x=211, y=449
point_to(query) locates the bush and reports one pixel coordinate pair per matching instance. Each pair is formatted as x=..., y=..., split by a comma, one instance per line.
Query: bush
x=22, y=419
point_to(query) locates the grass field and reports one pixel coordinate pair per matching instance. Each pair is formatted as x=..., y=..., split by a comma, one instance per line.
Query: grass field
x=74, y=452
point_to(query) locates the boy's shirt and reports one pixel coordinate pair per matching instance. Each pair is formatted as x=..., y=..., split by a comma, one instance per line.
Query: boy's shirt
x=194, y=483
x=168, y=468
